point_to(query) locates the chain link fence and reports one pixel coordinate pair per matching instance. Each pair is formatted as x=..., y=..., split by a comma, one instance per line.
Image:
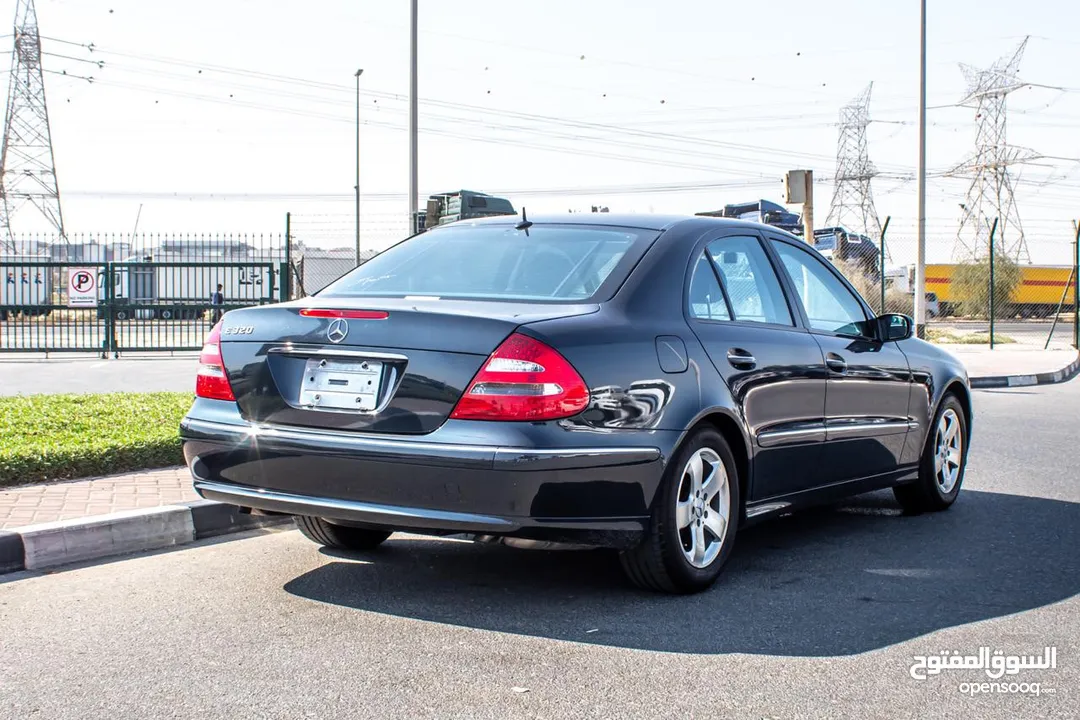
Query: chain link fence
x=324, y=246
x=986, y=299
x=150, y=247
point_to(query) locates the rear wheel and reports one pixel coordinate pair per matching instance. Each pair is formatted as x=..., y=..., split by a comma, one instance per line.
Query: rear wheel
x=340, y=537
x=941, y=470
x=694, y=521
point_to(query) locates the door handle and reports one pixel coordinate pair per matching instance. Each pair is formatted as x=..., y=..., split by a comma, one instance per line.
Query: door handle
x=741, y=359
x=836, y=363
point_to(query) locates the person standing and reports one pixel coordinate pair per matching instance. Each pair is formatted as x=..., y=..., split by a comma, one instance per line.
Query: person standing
x=217, y=300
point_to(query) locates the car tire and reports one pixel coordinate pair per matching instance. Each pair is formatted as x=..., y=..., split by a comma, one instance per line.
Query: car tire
x=681, y=552
x=339, y=537
x=943, y=462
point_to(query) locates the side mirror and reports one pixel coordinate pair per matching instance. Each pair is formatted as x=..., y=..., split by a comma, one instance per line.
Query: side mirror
x=894, y=327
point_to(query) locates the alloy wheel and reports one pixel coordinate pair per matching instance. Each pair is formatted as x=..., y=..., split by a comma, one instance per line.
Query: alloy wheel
x=703, y=507
x=948, y=454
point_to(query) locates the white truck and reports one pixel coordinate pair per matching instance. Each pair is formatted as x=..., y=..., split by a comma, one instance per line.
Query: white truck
x=26, y=287
x=902, y=278
x=178, y=288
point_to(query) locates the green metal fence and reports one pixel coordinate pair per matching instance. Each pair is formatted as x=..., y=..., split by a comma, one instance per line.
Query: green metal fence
x=117, y=307
x=990, y=299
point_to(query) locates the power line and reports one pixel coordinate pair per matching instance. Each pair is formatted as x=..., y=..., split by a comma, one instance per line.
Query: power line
x=453, y=116
x=486, y=112
x=436, y=131
x=640, y=189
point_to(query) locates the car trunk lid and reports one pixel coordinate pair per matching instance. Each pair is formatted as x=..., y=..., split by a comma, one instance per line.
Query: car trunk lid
x=388, y=365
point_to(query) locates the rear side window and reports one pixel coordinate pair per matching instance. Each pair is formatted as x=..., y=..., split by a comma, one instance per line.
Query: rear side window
x=747, y=275
x=706, y=298
x=554, y=263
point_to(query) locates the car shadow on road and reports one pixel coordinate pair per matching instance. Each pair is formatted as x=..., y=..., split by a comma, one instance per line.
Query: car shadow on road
x=839, y=580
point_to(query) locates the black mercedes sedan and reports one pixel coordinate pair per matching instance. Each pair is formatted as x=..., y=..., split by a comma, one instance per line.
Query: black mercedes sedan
x=646, y=383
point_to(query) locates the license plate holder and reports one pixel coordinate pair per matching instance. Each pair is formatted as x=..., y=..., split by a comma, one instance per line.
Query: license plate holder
x=344, y=385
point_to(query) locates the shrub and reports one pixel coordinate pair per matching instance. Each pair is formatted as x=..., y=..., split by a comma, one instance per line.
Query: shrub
x=971, y=287
x=62, y=437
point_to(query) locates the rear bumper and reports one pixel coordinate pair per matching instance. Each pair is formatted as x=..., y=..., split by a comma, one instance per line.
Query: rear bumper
x=598, y=495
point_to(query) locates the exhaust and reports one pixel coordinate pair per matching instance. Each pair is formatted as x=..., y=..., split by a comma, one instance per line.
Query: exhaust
x=526, y=544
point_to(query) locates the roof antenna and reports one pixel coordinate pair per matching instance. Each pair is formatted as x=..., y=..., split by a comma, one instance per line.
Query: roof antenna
x=525, y=223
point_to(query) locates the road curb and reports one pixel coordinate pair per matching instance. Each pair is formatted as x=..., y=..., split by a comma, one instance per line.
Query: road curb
x=999, y=381
x=48, y=545
x=11, y=552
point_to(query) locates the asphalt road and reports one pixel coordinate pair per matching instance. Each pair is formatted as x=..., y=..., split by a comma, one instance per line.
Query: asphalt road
x=819, y=615
x=61, y=375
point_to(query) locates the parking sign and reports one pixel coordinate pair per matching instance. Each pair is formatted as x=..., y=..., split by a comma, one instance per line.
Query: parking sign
x=82, y=287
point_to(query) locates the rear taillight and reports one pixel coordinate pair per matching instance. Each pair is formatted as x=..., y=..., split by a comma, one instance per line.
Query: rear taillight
x=524, y=379
x=211, y=381
x=347, y=314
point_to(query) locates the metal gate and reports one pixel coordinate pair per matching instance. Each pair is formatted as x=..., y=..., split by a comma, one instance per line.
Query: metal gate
x=132, y=307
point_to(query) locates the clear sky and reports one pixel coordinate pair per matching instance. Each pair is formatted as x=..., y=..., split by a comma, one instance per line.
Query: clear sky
x=561, y=104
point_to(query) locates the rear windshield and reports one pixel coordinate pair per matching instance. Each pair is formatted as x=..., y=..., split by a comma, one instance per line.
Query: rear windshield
x=553, y=263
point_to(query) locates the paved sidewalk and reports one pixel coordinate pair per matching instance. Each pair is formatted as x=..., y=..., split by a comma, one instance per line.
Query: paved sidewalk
x=36, y=504
x=981, y=361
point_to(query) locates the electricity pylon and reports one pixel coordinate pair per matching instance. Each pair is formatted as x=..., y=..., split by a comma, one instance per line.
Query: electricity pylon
x=853, y=202
x=990, y=194
x=27, y=167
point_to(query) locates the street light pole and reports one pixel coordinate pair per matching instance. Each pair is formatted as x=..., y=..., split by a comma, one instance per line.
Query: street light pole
x=920, y=261
x=414, y=190
x=358, y=74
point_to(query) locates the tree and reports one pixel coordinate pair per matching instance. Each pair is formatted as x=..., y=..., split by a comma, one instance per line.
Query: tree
x=971, y=286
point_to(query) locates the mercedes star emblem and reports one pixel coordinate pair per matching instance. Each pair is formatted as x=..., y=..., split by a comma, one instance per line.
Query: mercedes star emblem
x=338, y=330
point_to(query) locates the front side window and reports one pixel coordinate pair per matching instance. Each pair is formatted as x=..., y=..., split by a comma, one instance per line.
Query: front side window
x=829, y=305
x=554, y=263
x=747, y=275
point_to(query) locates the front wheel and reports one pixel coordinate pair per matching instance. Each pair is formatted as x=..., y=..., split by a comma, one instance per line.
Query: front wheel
x=694, y=520
x=339, y=537
x=944, y=459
